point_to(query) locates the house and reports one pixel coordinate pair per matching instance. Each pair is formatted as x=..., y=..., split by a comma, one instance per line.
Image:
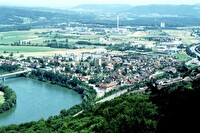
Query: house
x=170, y=70
x=110, y=66
x=105, y=86
x=86, y=78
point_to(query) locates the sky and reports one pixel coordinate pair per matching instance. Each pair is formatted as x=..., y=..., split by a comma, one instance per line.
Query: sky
x=72, y=3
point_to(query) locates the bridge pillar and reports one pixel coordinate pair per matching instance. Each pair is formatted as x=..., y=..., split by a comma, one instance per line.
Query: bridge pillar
x=4, y=78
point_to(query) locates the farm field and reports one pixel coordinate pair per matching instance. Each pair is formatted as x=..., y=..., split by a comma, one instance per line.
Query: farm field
x=182, y=56
x=27, y=49
x=16, y=36
x=184, y=35
x=40, y=51
x=1, y=97
x=38, y=36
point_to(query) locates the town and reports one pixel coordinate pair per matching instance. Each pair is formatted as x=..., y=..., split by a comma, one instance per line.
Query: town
x=104, y=70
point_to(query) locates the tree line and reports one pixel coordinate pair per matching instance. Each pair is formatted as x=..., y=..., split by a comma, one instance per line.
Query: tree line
x=125, y=47
x=89, y=43
x=8, y=68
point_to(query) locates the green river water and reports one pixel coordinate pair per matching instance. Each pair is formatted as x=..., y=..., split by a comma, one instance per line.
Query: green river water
x=36, y=100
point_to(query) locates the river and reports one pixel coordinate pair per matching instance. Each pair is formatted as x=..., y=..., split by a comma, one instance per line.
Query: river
x=36, y=100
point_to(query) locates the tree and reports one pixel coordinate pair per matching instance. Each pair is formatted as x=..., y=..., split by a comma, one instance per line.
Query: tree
x=104, y=64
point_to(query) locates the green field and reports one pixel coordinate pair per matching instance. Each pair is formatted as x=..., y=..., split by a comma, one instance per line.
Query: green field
x=1, y=97
x=182, y=56
x=16, y=36
x=40, y=51
x=184, y=35
x=39, y=38
x=27, y=49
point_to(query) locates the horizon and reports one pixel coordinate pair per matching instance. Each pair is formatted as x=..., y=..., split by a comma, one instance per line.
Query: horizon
x=61, y=4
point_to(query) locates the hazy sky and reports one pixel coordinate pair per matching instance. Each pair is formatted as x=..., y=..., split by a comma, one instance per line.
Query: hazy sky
x=71, y=3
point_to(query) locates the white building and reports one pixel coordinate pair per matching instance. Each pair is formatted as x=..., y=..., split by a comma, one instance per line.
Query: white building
x=162, y=25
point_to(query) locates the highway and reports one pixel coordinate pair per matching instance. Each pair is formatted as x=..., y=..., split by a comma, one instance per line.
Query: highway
x=112, y=96
x=193, y=49
x=141, y=90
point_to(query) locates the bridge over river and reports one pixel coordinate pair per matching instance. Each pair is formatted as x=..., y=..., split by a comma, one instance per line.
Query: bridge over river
x=9, y=75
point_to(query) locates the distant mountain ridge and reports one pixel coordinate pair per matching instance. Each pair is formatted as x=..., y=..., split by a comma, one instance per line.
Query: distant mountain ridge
x=105, y=7
x=25, y=18
x=17, y=15
x=180, y=10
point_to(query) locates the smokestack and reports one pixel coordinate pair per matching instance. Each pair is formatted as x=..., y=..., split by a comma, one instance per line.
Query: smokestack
x=117, y=22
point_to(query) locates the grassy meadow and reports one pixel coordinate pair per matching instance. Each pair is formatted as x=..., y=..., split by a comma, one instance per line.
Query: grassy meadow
x=16, y=36
x=1, y=97
x=27, y=49
x=40, y=51
x=182, y=56
x=184, y=35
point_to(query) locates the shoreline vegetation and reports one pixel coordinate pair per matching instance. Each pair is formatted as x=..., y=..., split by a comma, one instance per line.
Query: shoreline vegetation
x=9, y=99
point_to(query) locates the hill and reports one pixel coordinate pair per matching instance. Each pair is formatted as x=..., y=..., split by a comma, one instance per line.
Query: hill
x=176, y=10
x=104, y=7
x=24, y=18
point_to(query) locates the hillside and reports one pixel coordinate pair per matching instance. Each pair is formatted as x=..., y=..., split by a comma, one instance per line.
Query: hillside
x=13, y=15
x=176, y=10
x=104, y=7
x=24, y=18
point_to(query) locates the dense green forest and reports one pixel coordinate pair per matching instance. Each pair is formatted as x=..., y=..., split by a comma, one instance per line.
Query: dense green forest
x=125, y=47
x=172, y=109
x=10, y=99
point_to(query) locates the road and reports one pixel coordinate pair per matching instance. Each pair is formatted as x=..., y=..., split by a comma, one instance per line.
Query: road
x=112, y=96
x=141, y=90
x=100, y=93
x=194, y=51
x=194, y=60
